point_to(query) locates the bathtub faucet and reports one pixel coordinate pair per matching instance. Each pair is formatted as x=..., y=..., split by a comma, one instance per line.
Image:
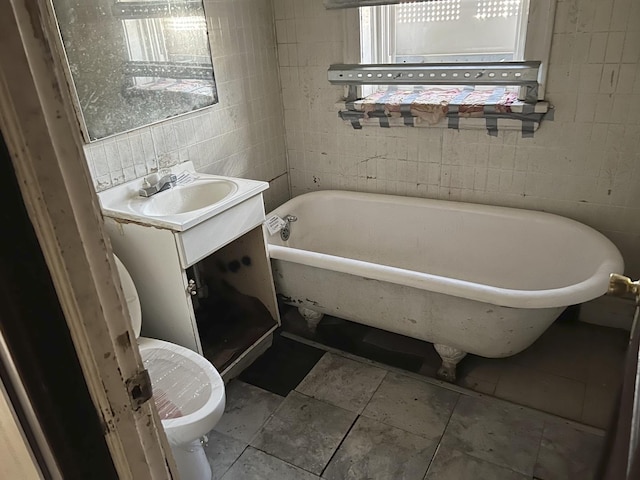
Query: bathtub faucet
x=285, y=232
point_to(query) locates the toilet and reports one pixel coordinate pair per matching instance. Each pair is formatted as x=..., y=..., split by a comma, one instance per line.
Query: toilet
x=187, y=389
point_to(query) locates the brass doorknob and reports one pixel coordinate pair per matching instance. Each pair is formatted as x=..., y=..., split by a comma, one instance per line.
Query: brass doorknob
x=620, y=285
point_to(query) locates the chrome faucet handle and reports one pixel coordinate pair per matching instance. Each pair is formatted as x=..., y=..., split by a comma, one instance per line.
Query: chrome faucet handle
x=168, y=178
x=159, y=184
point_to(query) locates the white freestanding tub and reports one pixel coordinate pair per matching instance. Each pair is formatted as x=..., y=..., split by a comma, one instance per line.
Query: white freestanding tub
x=469, y=278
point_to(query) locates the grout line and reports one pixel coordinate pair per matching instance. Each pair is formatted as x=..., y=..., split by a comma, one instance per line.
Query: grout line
x=448, y=386
x=339, y=445
x=374, y=392
x=259, y=430
x=537, y=460
x=444, y=430
x=232, y=463
x=266, y=420
x=276, y=177
x=435, y=452
x=277, y=458
x=273, y=415
x=584, y=400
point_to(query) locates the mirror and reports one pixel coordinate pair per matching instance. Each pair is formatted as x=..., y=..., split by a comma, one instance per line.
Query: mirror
x=136, y=62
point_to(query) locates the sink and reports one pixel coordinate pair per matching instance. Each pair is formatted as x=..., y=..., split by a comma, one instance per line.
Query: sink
x=187, y=198
x=196, y=198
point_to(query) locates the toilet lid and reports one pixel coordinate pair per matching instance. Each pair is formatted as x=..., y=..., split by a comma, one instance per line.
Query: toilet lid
x=131, y=296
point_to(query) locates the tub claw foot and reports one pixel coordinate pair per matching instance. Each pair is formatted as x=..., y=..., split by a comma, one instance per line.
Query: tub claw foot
x=311, y=317
x=450, y=358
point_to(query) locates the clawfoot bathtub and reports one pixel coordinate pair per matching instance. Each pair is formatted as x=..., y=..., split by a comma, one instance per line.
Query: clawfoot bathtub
x=469, y=278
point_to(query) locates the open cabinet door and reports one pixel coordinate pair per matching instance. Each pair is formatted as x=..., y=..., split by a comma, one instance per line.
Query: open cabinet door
x=43, y=143
x=622, y=455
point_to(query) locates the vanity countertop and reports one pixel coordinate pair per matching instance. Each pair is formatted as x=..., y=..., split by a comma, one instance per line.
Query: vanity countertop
x=164, y=209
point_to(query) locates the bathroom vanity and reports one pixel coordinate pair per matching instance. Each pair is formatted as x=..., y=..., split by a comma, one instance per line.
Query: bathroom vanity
x=197, y=255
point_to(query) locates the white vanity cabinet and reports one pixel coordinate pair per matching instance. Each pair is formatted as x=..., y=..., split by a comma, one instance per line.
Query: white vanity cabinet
x=208, y=287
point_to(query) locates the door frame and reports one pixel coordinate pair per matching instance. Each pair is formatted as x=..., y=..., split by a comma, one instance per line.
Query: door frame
x=42, y=134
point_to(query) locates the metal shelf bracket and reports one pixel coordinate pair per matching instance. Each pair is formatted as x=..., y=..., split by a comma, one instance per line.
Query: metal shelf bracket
x=524, y=74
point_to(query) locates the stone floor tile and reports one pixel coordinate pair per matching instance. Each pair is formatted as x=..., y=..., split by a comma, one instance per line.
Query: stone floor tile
x=222, y=451
x=599, y=405
x=567, y=453
x=562, y=350
x=450, y=464
x=257, y=465
x=542, y=391
x=412, y=405
x=477, y=384
x=607, y=356
x=373, y=450
x=497, y=432
x=247, y=408
x=305, y=432
x=342, y=382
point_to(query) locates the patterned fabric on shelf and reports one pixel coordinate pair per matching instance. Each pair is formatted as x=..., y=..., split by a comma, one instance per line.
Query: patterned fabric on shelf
x=430, y=106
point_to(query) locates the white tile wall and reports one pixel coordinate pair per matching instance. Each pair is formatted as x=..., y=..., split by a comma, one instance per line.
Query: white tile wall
x=584, y=165
x=242, y=136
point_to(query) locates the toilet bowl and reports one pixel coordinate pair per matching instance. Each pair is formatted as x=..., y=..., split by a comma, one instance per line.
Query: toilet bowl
x=187, y=389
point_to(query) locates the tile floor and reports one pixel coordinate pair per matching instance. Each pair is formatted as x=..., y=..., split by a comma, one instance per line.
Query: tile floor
x=573, y=370
x=351, y=418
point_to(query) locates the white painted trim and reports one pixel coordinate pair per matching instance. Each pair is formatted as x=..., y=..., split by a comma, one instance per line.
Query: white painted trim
x=40, y=128
x=539, y=34
x=351, y=30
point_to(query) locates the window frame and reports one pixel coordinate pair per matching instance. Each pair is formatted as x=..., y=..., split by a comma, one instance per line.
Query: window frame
x=537, y=40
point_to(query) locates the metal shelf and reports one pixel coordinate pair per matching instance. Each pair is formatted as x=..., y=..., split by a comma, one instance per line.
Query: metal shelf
x=524, y=74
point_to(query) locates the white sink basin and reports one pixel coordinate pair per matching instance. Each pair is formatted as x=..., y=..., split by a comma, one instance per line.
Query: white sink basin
x=187, y=198
x=191, y=202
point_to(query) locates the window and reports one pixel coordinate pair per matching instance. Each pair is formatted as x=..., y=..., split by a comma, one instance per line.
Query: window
x=444, y=31
x=453, y=31
x=482, y=59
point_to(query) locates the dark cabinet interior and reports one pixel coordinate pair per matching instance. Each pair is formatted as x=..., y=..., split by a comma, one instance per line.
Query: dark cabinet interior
x=231, y=299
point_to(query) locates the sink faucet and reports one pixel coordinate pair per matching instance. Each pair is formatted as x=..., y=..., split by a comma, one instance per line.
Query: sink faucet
x=151, y=188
